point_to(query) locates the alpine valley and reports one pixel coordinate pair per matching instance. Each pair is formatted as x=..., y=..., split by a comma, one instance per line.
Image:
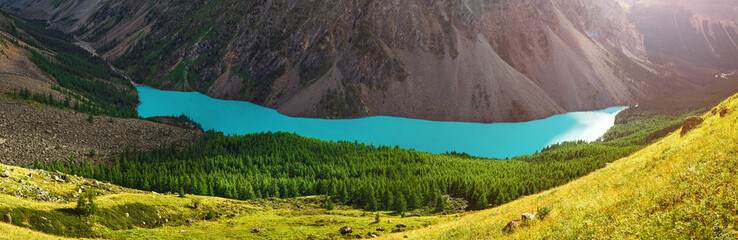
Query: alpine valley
x=342, y=119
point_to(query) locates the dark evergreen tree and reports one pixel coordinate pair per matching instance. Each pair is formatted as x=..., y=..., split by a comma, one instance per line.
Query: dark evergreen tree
x=440, y=203
x=400, y=204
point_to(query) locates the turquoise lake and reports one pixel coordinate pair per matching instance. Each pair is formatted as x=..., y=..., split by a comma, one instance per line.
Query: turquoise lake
x=497, y=140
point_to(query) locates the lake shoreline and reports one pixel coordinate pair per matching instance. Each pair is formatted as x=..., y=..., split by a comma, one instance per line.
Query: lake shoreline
x=491, y=140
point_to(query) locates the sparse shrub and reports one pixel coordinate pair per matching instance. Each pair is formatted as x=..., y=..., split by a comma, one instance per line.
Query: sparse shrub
x=328, y=203
x=376, y=218
x=90, y=118
x=196, y=202
x=542, y=212
x=92, y=153
x=86, y=203
x=182, y=193
x=210, y=215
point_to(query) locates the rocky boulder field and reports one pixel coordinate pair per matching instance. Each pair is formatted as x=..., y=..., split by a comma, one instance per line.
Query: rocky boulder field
x=30, y=132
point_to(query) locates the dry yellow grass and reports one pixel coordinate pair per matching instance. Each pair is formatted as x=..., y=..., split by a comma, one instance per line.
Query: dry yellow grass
x=679, y=187
x=8, y=231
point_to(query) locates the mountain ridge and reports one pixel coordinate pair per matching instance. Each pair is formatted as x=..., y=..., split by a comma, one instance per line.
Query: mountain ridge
x=473, y=61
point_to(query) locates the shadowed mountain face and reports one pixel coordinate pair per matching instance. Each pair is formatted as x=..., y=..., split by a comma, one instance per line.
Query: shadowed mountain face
x=703, y=33
x=471, y=60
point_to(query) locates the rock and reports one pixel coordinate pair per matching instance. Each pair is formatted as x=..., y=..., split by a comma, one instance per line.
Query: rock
x=358, y=236
x=371, y=235
x=528, y=216
x=723, y=112
x=2, y=141
x=690, y=123
x=57, y=179
x=189, y=221
x=379, y=229
x=128, y=215
x=413, y=215
x=405, y=236
x=389, y=221
x=181, y=231
x=345, y=230
x=258, y=230
x=400, y=225
x=511, y=225
x=5, y=174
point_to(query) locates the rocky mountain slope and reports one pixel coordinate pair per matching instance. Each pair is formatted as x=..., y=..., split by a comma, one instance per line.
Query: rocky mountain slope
x=472, y=60
x=30, y=131
x=703, y=33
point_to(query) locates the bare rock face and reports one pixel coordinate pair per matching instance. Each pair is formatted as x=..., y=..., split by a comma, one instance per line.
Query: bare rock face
x=703, y=33
x=471, y=60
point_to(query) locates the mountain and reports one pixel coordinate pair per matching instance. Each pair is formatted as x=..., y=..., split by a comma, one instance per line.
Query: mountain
x=702, y=33
x=472, y=60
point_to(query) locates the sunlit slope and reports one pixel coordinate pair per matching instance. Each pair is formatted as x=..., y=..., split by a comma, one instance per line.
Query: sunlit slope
x=14, y=232
x=37, y=204
x=680, y=187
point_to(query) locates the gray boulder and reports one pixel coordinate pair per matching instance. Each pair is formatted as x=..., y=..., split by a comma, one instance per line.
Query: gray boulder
x=345, y=230
x=528, y=216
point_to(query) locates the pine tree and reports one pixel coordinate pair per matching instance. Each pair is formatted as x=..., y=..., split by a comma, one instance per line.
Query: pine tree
x=328, y=203
x=247, y=192
x=344, y=195
x=81, y=205
x=371, y=200
x=481, y=202
x=86, y=203
x=400, y=203
x=440, y=203
x=390, y=202
x=413, y=201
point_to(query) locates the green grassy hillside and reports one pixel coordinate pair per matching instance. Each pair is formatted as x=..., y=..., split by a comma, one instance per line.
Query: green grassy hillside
x=682, y=187
x=36, y=204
